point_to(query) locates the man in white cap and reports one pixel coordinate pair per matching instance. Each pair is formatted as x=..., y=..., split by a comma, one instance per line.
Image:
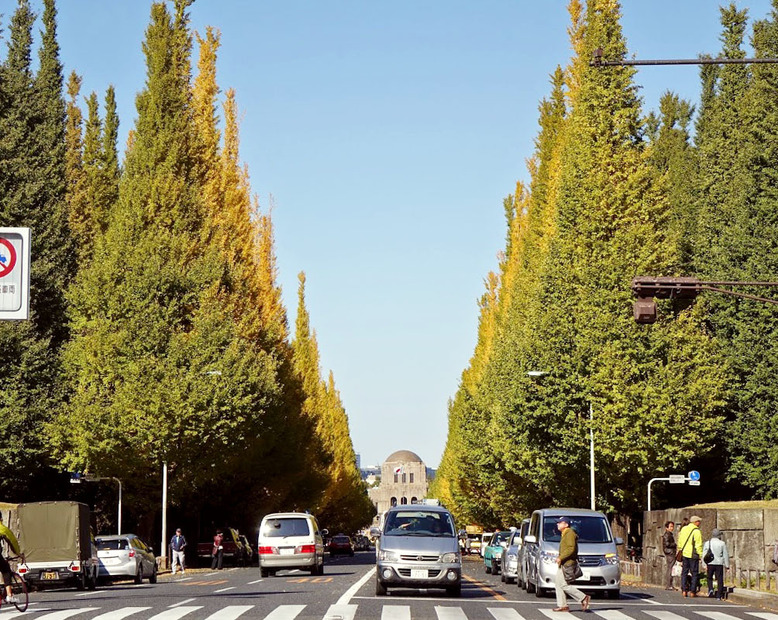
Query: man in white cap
x=690, y=544
x=568, y=556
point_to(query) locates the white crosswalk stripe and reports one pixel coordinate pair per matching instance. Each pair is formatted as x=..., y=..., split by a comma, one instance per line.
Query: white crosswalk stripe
x=118, y=614
x=230, y=613
x=341, y=612
x=764, y=615
x=176, y=612
x=64, y=614
x=505, y=613
x=285, y=612
x=716, y=615
x=396, y=612
x=450, y=613
x=612, y=614
x=664, y=615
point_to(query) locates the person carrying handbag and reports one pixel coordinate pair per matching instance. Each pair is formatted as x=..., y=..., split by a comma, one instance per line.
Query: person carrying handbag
x=568, y=568
x=690, y=545
x=716, y=558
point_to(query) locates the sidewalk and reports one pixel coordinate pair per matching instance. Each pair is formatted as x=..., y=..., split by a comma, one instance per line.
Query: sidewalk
x=756, y=598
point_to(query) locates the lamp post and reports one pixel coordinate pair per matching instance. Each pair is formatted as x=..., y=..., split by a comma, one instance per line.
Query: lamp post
x=163, y=545
x=88, y=478
x=540, y=373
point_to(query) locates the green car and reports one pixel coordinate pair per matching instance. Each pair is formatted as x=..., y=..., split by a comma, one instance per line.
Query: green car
x=493, y=551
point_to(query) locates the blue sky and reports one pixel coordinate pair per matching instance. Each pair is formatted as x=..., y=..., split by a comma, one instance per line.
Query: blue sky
x=388, y=134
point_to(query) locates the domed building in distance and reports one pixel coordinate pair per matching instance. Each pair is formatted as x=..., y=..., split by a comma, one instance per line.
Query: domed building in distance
x=403, y=481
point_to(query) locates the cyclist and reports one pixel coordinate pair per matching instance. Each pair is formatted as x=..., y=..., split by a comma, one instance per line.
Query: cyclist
x=5, y=568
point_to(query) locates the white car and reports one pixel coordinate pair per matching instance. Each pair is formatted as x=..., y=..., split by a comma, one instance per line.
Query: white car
x=125, y=556
x=290, y=540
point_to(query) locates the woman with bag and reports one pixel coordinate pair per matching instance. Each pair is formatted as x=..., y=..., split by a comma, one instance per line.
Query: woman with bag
x=716, y=558
x=568, y=568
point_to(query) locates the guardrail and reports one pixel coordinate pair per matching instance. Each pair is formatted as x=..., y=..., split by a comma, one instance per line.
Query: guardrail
x=753, y=579
x=631, y=568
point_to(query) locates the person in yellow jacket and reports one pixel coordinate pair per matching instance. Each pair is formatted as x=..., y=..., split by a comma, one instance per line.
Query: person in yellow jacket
x=5, y=568
x=690, y=544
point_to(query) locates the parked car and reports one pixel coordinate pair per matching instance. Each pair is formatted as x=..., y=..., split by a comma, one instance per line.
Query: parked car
x=289, y=540
x=125, y=556
x=509, y=563
x=492, y=553
x=233, y=551
x=361, y=543
x=521, y=556
x=340, y=545
x=597, y=553
x=248, y=551
x=418, y=548
x=485, y=538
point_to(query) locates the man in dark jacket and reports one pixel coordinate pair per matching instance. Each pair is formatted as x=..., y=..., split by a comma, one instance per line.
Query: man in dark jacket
x=177, y=545
x=568, y=556
x=669, y=548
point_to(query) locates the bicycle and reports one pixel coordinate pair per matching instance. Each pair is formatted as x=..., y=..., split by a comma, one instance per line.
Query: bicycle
x=18, y=589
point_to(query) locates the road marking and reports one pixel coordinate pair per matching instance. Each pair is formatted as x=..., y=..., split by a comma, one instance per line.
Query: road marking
x=764, y=615
x=206, y=583
x=504, y=614
x=450, y=613
x=88, y=593
x=341, y=612
x=184, y=602
x=230, y=613
x=612, y=614
x=67, y=613
x=396, y=612
x=184, y=579
x=118, y=614
x=664, y=615
x=224, y=589
x=716, y=615
x=176, y=613
x=285, y=612
x=479, y=584
x=642, y=599
x=348, y=594
x=251, y=583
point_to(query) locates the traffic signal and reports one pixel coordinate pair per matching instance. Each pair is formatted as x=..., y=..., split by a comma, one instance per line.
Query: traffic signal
x=647, y=288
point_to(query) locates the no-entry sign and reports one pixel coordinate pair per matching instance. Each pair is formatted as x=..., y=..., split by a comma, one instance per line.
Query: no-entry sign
x=14, y=273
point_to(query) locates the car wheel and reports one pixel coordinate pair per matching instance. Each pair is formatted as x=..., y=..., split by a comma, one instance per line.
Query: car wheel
x=488, y=569
x=502, y=576
x=81, y=581
x=153, y=577
x=613, y=593
x=92, y=585
x=263, y=572
x=539, y=592
x=139, y=575
x=454, y=590
x=380, y=588
x=529, y=586
x=495, y=568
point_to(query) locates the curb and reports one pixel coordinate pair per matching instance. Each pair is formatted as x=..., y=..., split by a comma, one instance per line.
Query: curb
x=765, y=600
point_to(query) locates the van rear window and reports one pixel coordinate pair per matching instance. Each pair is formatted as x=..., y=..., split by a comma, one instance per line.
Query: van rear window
x=278, y=528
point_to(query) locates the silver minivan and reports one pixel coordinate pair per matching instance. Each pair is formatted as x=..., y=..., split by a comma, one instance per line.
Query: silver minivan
x=417, y=547
x=597, y=552
x=290, y=540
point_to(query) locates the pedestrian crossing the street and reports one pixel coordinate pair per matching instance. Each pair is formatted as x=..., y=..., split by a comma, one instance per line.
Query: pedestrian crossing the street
x=388, y=612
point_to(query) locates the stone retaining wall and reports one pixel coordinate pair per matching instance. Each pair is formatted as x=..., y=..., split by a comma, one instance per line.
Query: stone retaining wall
x=750, y=534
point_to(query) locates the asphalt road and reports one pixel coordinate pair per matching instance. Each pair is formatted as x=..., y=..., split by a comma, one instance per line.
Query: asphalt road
x=347, y=591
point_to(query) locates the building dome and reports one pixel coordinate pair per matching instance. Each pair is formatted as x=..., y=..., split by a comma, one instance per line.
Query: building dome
x=404, y=456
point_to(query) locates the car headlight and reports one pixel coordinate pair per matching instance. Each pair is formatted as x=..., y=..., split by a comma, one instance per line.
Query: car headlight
x=612, y=558
x=388, y=556
x=548, y=557
x=451, y=558
x=511, y=557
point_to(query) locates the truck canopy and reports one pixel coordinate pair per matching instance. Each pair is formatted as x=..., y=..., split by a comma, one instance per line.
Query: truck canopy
x=54, y=531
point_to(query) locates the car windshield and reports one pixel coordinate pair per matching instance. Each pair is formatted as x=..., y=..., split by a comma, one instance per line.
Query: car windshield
x=499, y=537
x=589, y=529
x=279, y=528
x=340, y=539
x=419, y=523
x=112, y=545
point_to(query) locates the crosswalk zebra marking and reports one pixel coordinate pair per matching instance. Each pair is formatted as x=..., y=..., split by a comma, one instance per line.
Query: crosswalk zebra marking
x=184, y=602
x=230, y=613
x=118, y=614
x=285, y=612
x=176, y=612
x=664, y=615
x=450, y=613
x=612, y=614
x=764, y=615
x=716, y=615
x=64, y=614
x=504, y=613
x=396, y=612
x=341, y=612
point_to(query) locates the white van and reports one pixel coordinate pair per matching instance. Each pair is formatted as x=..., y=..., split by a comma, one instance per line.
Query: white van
x=289, y=540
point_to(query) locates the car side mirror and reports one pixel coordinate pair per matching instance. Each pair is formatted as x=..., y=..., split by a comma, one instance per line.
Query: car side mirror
x=325, y=532
x=375, y=532
x=619, y=541
x=529, y=538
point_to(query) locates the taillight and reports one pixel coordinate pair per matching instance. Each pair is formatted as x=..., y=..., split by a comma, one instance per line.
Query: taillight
x=76, y=568
x=306, y=549
x=132, y=553
x=268, y=551
x=21, y=570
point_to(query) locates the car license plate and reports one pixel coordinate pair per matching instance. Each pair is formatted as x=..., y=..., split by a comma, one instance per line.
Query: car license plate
x=50, y=576
x=418, y=573
x=585, y=577
x=283, y=551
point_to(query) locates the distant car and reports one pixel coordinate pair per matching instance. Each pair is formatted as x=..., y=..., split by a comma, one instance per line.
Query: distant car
x=521, y=556
x=492, y=553
x=341, y=544
x=509, y=564
x=248, y=552
x=361, y=543
x=485, y=538
x=125, y=556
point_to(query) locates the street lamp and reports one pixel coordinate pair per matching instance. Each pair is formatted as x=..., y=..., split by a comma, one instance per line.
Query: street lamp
x=540, y=373
x=77, y=478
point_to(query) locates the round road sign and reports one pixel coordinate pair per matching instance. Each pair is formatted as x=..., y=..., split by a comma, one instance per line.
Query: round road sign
x=694, y=475
x=7, y=257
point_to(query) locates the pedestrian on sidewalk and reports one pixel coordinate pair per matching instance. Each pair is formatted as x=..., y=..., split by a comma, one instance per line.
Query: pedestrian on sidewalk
x=669, y=548
x=177, y=546
x=217, y=553
x=718, y=564
x=690, y=544
x=567, y=568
